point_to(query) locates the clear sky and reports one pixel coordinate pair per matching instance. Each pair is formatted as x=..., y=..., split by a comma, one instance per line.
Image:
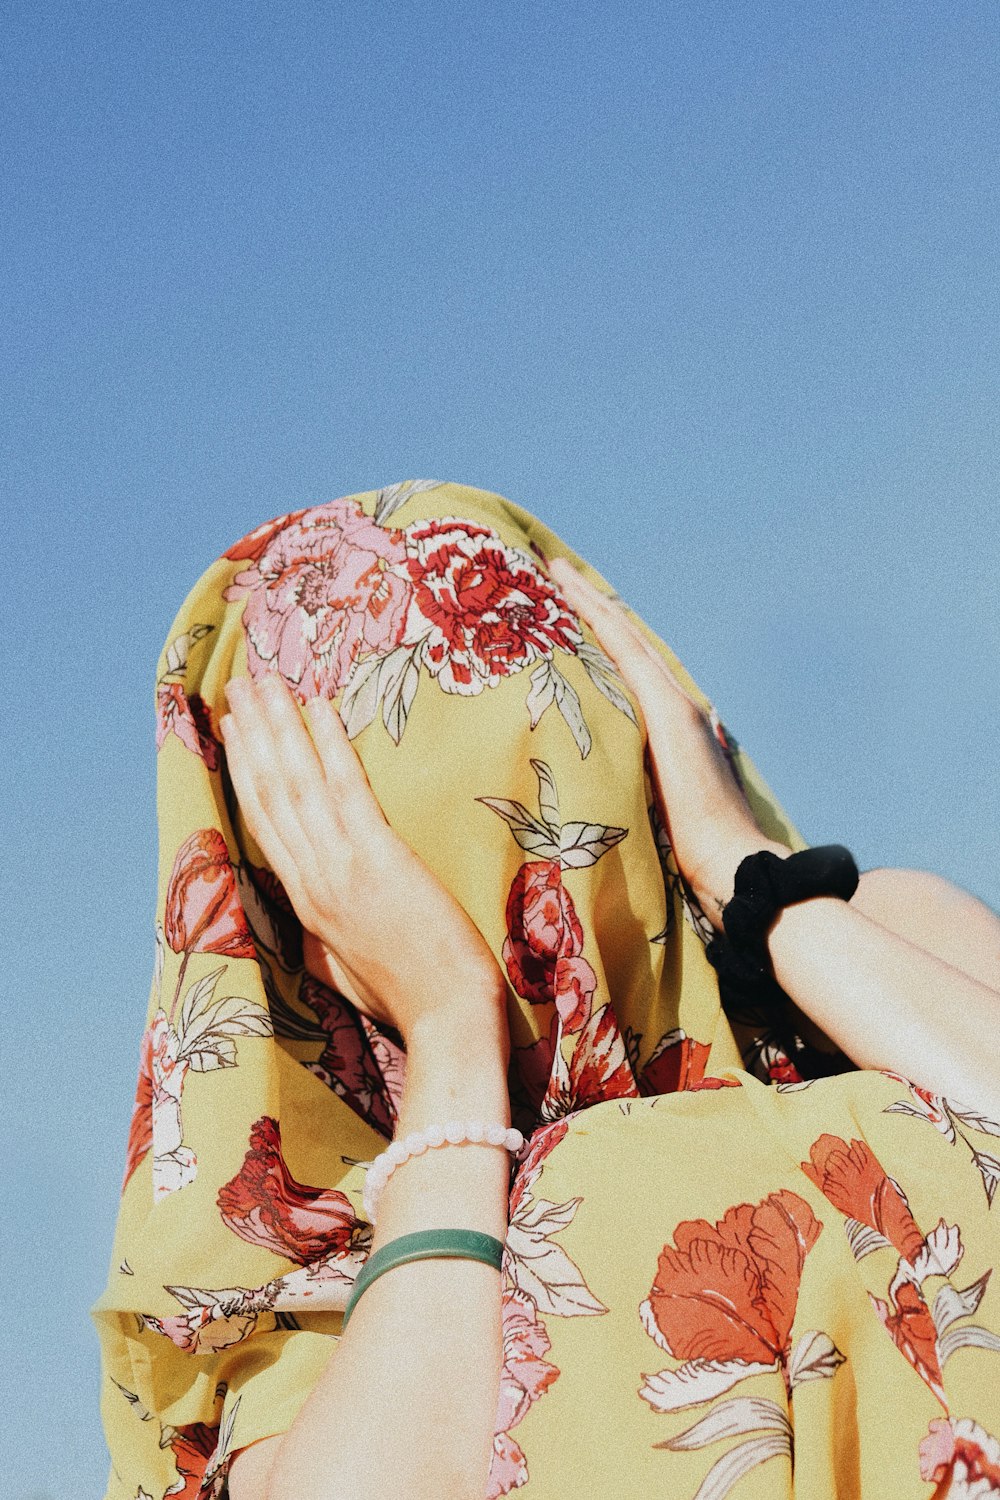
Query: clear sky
x=710, y=288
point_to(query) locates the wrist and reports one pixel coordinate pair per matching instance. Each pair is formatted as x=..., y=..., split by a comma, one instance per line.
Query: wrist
x=716, y=881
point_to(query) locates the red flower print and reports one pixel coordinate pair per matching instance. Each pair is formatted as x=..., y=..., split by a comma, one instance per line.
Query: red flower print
x=485, y=609
x=266, y=1206
x=524, y=1378
x=203, y=913
x=856, y=1183
x=192, y=1447
x=140, y=1134
x=677, y=1062
x=190, y=718
x=543, y=1140
x=544, y=942
x=320, y=594
x=908, y=1321
x=256, y=542
x=729, y=1291
x=599, y=1068
x=961, y=1458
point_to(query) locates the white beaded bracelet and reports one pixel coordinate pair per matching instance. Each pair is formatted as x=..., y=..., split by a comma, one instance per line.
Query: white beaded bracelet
x=454, y=1133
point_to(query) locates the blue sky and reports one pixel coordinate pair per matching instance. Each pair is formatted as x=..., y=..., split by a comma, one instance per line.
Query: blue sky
x=709, y=288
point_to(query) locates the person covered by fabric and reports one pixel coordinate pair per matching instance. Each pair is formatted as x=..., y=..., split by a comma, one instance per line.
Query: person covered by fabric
x=503, y=747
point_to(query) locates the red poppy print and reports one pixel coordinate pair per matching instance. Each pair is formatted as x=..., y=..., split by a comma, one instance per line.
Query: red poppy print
x=192, y=1447
x=485, y=609
x=324, y=590
x=856, y=1183
x=265, y=1205
x=677, y=1062
x=724, y=1297
x=140, y=1134
x=908, y=1321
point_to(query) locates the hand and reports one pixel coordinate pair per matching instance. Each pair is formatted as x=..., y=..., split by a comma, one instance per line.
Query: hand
x=385, y=931
x=704, y=809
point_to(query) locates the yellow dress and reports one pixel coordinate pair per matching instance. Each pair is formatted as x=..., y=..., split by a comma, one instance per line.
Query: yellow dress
x=723, y=1271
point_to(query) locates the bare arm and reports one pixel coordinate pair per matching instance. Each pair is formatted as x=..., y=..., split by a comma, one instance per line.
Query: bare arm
x=886, y=1001
x=407, y=1402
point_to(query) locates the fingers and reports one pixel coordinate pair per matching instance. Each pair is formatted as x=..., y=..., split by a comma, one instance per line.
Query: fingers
x=607, y=617
x=279, y=782
x=341, y=763
x=641, y=665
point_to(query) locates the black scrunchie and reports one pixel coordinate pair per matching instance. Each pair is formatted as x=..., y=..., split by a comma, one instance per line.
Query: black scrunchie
x=764, y=884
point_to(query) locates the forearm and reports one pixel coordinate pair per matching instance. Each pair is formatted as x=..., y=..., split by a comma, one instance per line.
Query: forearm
x=406, y=1405
x=887, y=1002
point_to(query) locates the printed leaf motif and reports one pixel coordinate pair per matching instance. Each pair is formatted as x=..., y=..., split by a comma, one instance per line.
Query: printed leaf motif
x=390, y=499
x=989, y=1170
x=743, y=1414
x=211, y=1053
x=366, y=686
x=548, y=795
x=232, y=1015
x=605, y=676
x=542, y=1270
x=697, y=1381
x=158, y=965
x=532, y=835
x=399, y=693
x=582, y=844
x=815, y=1357
x=902, y=1108
x=953, y=1302
x=541, y=693
x=863, y=1239
x=199, y=994
x=969, y=1337
x=133, y=1401
x=176, y=653
x=732, y=1466
x=975, y=1119
x=568, y=700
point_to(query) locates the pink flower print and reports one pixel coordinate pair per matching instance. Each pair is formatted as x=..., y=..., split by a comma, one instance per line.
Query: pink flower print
x=190, y=718
x=543, y=1140
x=961, y=1458
x=322, y=593
x=524, y=1378
x=256, y=542
x=485, y=609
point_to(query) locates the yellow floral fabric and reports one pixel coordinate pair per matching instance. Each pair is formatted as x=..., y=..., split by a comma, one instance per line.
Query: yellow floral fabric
x=734, y=1262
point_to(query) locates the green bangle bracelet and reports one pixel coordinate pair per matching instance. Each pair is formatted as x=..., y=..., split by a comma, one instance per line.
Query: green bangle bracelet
x=425, y=1244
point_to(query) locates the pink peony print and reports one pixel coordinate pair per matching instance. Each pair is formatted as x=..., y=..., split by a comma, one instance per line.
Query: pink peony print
x=324, y=590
